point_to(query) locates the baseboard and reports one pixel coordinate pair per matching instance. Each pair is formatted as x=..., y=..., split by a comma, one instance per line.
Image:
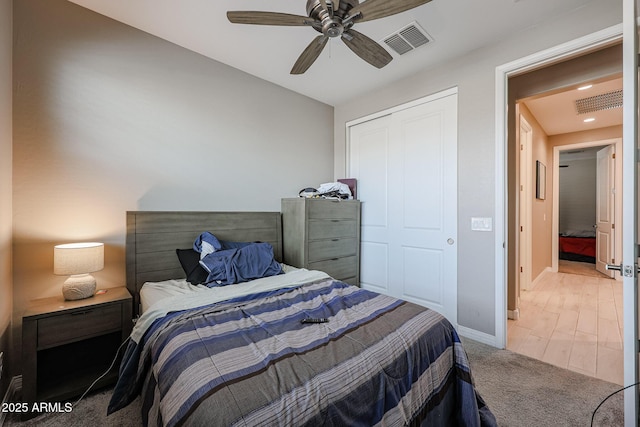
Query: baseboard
x=477, y=336
x=513, y=314
x=15, y=386
x=540, y=276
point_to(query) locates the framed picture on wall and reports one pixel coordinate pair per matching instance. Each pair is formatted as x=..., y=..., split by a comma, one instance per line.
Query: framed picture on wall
x=541, y=180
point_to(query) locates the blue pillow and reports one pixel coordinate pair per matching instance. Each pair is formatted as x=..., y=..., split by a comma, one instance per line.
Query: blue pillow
x=206, y=243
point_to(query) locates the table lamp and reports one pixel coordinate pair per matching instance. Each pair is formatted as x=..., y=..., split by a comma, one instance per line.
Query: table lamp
x=78, y=260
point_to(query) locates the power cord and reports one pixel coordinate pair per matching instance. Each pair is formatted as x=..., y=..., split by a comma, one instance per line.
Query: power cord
x=103, y=375
x=593, y=416
x=96, y=380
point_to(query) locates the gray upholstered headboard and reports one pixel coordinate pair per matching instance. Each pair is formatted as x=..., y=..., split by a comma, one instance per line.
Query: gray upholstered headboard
x=154, y=236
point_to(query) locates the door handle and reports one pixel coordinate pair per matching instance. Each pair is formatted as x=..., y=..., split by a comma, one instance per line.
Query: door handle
x=625, y=270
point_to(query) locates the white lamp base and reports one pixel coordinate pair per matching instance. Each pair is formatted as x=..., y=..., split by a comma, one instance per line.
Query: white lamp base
x=79, y=286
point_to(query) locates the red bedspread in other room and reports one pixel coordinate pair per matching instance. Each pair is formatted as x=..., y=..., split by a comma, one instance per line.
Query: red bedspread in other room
x=578, y=245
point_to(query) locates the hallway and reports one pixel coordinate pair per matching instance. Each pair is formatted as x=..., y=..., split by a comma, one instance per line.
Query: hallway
x=572, y=321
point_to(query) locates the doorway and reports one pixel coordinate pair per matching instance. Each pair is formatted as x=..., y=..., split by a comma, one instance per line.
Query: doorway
x=555, y=69
x=572, y=315
x=603, y=212
x=504, y=205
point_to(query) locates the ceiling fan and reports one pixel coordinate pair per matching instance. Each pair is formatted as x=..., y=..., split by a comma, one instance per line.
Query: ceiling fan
x=333, y=18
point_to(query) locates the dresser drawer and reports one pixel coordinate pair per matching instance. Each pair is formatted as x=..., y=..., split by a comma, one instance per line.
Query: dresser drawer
x=332, y=248
x=325, y=209
x=332, y=228
x=79, y=324
x=338, y=268
x=351, y=281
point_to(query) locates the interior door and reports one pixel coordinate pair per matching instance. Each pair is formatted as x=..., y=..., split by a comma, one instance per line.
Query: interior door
x=605, y=209
x=406, y=166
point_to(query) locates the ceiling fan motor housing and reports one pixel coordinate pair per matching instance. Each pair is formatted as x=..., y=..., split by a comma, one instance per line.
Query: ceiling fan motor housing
x=331, y=20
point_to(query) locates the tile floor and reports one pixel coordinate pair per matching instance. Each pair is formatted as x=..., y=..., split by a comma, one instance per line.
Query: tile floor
x=574, y=322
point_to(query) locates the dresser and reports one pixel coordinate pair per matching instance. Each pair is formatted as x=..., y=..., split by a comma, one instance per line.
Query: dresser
x=323, y=234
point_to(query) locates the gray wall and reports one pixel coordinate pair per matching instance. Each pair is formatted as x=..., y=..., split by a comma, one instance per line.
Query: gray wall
x=6, y=283
x=108, y=118
x=474, y=75
x=577, y=195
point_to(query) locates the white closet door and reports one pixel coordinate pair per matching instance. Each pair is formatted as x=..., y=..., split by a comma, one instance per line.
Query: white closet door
x=406, y=166
x=369, y=153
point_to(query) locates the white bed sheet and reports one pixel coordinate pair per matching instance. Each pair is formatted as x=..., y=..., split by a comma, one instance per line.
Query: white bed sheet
x=152, y=292
x=184, y=297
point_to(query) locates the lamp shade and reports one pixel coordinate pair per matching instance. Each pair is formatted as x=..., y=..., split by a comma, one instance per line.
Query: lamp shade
x=78, y=258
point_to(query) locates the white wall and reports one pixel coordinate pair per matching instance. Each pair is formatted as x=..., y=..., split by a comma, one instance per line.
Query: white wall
x=474, y=75
x=108, y=118
x=6, y=282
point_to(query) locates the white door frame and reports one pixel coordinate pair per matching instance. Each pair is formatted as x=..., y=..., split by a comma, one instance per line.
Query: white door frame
x=555, y=227
x=503, y=72
x=629, y=263
x=525, y=236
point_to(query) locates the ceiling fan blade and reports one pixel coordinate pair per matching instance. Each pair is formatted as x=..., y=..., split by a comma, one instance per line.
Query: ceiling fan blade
x=309, y=55
x=268, y=18
x=366, y=48
x=376, y=9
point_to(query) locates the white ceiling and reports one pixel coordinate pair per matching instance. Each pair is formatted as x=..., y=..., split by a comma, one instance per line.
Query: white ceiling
x=456, y=26
x=557, y=114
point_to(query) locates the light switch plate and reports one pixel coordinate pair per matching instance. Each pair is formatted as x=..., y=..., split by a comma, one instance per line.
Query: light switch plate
x=481, y=224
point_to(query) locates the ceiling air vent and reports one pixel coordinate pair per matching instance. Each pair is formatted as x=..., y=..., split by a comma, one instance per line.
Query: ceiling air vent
x=605, y=101
x=407, y=39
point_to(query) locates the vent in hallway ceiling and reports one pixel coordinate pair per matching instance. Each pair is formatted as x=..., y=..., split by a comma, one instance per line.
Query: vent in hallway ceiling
x=605, y=101
x=407, y=39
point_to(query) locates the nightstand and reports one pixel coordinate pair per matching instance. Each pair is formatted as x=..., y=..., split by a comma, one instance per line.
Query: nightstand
x=66, y=345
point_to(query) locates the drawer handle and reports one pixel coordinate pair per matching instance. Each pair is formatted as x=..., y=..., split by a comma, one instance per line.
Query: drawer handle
x=81, y=313
x=335, y=240
x=335, y=259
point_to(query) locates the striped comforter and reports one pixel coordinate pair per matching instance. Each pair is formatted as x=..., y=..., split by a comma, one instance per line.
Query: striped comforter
x=250, y=361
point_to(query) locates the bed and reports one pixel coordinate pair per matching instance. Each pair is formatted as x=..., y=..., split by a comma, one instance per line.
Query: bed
x=243, y=354
x=577, y=246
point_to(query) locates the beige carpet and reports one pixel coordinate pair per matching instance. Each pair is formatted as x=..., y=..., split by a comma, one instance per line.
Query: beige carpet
x=520, y=391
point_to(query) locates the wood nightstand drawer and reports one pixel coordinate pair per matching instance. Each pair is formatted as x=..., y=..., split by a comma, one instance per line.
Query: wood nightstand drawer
x=332, y=248
x=330, y=229
x=79, y=324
